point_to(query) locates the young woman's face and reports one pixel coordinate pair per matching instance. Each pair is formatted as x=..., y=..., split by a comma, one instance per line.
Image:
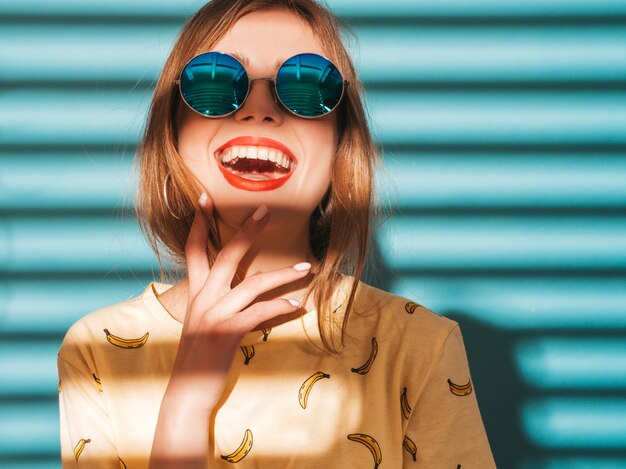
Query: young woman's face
x=265, y=38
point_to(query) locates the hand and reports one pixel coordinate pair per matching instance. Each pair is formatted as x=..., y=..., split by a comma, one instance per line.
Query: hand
x=219, y=316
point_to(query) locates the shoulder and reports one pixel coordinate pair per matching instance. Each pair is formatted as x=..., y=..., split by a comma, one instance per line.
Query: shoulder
x=128, y=313
x=398, y=318
x=127, y=318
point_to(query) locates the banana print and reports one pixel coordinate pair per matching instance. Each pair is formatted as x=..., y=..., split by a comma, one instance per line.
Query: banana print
x=410, y=446
x=59, y=385
x=266, y=332
x=404, y=405
x=370, y=443
x=248, y=352
x=80, y=446
x=305, y=389
x=126, y=343
x=122, y=464
x=411, y=306
x=365, y=368
x=459, y=390
x=98, y=382
x=242, y=451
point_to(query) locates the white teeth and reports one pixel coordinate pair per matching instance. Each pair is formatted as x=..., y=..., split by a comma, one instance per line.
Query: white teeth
x=262, y=153
x=243, y=153
x=227, y=155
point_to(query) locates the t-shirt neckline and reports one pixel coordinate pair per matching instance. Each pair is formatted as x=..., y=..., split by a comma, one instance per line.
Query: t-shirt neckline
x=302, y=326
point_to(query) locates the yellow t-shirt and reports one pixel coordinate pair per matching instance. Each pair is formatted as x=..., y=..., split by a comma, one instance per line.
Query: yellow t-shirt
x=400, y=393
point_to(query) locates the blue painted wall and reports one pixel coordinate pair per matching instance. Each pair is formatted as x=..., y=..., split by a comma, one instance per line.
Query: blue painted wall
x=503, y=130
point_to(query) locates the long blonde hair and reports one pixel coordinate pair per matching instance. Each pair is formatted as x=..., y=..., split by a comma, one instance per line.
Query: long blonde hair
x=339, y=235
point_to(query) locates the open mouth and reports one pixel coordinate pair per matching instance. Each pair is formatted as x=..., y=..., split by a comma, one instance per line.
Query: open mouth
x=255, y=167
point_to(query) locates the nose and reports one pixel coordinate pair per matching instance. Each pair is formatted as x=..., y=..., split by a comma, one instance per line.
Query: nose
x=260, y=105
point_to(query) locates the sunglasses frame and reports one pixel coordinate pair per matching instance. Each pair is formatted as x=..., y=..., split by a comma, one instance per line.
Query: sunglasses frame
x=273, y=88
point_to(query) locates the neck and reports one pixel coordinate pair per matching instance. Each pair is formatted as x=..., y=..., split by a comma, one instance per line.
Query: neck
x=276, y=247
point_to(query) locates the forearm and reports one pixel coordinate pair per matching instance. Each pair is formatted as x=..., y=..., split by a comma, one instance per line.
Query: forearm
x=182, y=436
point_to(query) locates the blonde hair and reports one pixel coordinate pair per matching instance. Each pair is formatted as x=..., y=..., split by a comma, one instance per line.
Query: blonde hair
x=339, y=236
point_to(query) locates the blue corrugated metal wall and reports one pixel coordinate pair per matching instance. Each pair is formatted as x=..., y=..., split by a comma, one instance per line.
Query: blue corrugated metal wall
x=503, y=126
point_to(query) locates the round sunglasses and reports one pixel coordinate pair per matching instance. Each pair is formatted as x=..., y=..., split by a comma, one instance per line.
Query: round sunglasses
x=215, y=84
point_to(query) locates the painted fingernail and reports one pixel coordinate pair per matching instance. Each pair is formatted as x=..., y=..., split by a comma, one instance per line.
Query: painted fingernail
x=203, y=199
x=260, y=213
x=293, y=302
x=302, y=266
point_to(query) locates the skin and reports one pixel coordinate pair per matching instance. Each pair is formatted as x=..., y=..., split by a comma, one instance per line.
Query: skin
x=216, y=310
x=263, y=37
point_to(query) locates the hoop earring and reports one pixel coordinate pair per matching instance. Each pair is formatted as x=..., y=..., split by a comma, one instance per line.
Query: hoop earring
x=165, y=196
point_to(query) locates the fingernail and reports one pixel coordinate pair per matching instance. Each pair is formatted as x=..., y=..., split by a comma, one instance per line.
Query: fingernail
x=260, y=213
x=203, y=198
x=293, y=302
x=302, y=266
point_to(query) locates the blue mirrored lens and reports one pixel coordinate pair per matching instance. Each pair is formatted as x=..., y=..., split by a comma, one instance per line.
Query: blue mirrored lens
x=214, y=84
x=309, y=85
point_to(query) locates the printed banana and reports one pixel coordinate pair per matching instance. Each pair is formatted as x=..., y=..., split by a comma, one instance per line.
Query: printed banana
x=126, y=343
x=305, y=389
x=60, y=385
x=242, y=451
x=80, y=446
x=266, y=332
x=459, y=390
x=371, y=444
x=98, y=382
x=404, y=405
x=410, y=307
x=410, y=446
x=365, y=368
x=248, y=352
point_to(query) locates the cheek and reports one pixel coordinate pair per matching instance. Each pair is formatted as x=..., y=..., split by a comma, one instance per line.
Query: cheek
x=194, y=136
x=320, y=136
x=320, y=144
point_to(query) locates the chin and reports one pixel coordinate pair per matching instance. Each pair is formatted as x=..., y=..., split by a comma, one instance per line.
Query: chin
x=235, y=213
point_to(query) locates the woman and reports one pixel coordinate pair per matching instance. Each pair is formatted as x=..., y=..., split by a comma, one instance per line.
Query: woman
x=265, y=354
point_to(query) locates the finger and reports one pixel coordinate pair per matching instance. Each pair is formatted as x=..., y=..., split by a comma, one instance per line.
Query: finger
x=195, y=251
x=230, y=256
x=265, y=310
x=254, y=285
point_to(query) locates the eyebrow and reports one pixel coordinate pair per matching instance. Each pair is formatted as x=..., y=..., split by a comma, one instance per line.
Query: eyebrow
x=245, y=61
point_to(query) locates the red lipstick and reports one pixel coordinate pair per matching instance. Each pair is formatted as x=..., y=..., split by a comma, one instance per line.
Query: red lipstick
x=250, y=184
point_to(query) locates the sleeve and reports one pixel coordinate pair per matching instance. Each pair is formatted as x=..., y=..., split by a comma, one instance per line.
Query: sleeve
x=445, y=428
x=86, y=435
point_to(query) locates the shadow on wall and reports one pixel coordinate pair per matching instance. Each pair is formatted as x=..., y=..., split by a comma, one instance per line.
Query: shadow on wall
x=499, y=389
